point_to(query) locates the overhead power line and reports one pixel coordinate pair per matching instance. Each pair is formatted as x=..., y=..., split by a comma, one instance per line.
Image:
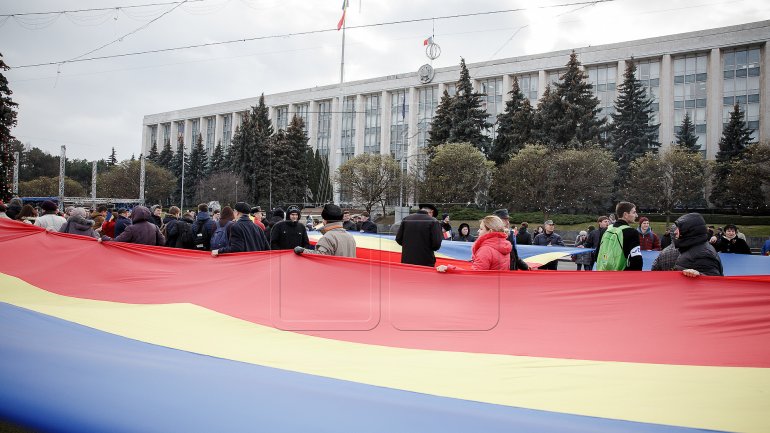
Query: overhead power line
x=97, y=9
x=309, y=32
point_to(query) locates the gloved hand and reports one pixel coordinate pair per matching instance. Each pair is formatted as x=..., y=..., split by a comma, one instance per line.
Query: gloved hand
x=299, y=250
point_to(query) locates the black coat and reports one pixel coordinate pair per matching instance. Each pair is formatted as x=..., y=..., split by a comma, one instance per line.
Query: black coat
x=524, y=237
x=172, y=231
x=244, y=236
x=516, y=262
x=695, y=251
x=419, y=236
x=735, y=245
x=594, y=240
x=288, y=234
x=120, y=225
x=368, y=227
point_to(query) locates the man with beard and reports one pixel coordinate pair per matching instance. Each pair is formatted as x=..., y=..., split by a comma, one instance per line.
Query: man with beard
x=291, y=233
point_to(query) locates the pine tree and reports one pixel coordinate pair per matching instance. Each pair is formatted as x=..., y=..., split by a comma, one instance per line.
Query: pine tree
x=735, y=137
x=217, y=161
x=546, y=119
x=513, y=126
x=153, y=155
x=198, y=166
x=469, y=120
x=632, y=135
x=249, y=152
x=685, y=137
x=166, y=155
x=579, y=108
x=112, y=160
x=441, y=125
x=297, y=175
x=179, y=164
x=7, y=121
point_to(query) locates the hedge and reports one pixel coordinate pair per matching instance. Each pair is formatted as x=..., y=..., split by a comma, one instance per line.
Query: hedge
x=717, y=219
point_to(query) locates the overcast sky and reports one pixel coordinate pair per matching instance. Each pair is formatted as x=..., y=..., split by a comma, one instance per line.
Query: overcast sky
x=94, y=105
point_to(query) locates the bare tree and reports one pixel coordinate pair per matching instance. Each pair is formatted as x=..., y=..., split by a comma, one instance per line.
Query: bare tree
x=369, y=178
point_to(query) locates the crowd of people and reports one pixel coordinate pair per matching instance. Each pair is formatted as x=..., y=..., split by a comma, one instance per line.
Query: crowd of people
x=688, y=245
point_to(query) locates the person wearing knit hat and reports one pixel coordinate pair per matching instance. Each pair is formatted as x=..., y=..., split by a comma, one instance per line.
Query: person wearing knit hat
x=291, y=233
x=50, y=220
x=648, y=240
x=244, y=235
x=336, y=241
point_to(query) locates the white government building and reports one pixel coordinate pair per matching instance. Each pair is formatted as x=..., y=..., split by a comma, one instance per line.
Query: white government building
x=703, y=73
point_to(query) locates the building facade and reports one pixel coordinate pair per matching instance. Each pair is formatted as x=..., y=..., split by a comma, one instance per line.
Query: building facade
x=702, y=73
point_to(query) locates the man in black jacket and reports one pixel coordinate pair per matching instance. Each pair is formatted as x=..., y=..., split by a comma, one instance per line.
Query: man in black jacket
x=594, y=238
x=696, y=255
x=291, y=233
x=244, y=235
x=516, y=262
x=420, y=236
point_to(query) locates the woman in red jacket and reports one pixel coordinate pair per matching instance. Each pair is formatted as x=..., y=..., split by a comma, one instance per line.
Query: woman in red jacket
x=491, y=251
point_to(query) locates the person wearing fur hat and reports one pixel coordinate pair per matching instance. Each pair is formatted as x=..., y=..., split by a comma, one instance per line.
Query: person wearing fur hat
x=336, y=241
x=49, y=219
x=243, y=235
x=141, y=231
x=420, y=236
x=648, y=240
x=291, y=233
x=77, y=224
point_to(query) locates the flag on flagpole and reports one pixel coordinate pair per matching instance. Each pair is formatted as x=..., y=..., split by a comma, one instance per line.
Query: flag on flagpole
x=427, y=41
x=344, y=9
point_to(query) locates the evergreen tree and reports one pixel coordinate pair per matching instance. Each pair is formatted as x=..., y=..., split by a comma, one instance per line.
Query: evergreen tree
x=7, y=121
x=166, y=155
x=249, y=153
x=513, y=126
x=217, y=161
x=319, y=181
x=632, y=135
x=197, y=167
x=179, y=165
x=153, y=155
x=296, y=174
x=112, y=160
x=685, y=137
x=469, y=120
x=441, y=125
x=735, y=137
x=572, y=121
x=546, y=118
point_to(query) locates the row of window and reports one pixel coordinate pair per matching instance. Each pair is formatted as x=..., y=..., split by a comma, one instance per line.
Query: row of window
x=741, y=70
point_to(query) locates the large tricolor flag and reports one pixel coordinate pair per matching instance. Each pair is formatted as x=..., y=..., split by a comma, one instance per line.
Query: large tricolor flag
x=120, y=337
x=341, y=22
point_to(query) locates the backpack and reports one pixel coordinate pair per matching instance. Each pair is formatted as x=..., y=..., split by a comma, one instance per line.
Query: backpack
x=200, y=234
x=164, y=230
x=185, y=239
x=610, y=256
x=219, y=238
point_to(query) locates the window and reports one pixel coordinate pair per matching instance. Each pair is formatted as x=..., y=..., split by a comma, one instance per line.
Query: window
x=372, y=124
x=227, y=131
x=302, y=113
x=741, y=85
x=179, y=132
x=492, y=101
x=196, y=131
x=451, y=88
x=154, y=135
x=348, y=142
x=211, y=125
x=603, y=78
x=648, y=72
x=399, y=126
x=553, y=77
x=528, y=85
x=690, y=79
x=166, y=135
x=324, y=127
x=281, y=117
x=425, y=111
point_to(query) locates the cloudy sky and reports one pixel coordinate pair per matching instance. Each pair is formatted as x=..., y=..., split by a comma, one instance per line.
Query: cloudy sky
x=91, y=106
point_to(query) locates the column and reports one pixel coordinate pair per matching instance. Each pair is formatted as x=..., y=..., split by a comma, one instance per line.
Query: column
x=188, y=134
x=290, y=112
x=507, y=86
x=414, y=109
x=271, y=116
x=666, y=102
x=542, y=80
x=385, y=123
x=335, y=135
x=312, y=126
x=220, y=119
x=441, y=87
x=764, y=92
x=714, y=87
x=360, y=124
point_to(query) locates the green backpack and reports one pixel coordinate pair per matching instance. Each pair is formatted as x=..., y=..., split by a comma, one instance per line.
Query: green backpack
x=610, y=256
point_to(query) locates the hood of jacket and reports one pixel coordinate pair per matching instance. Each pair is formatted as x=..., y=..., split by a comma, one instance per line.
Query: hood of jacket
x=202, y=216
x=496, y=240
x=79, y=223
x=139, y=214
x=692, y=231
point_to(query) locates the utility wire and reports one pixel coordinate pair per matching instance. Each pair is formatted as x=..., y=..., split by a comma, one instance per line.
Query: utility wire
x=98, y=9
x=309, y=32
